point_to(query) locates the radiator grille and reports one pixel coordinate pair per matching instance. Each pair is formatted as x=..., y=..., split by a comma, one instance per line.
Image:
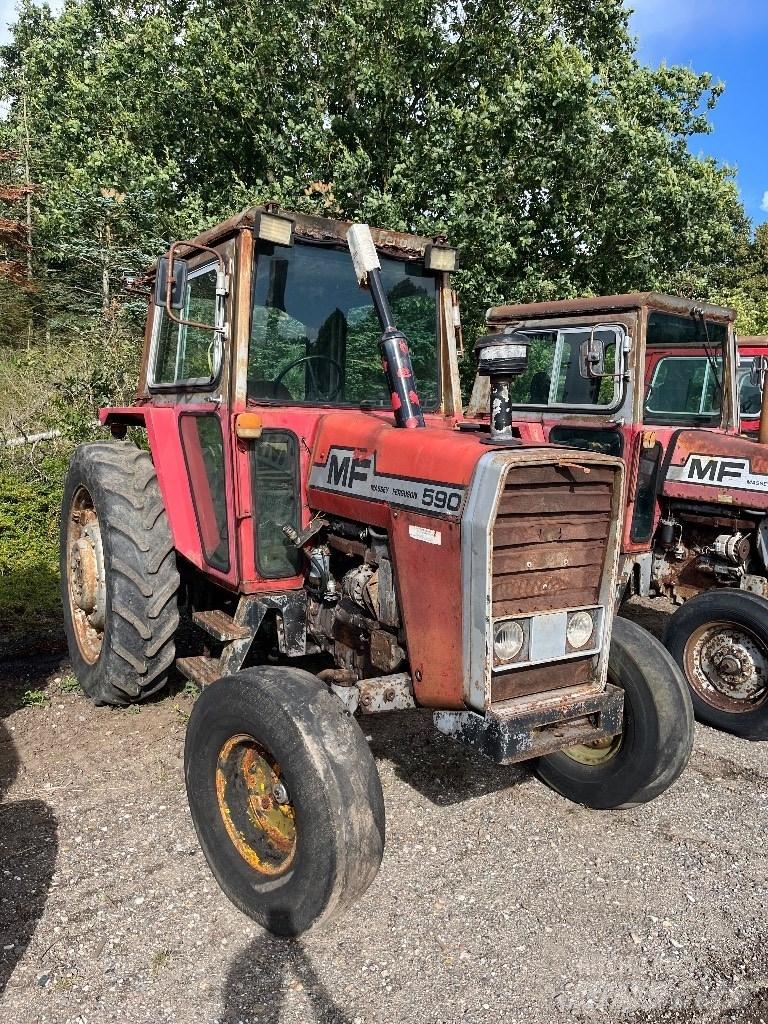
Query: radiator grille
x=550, y=538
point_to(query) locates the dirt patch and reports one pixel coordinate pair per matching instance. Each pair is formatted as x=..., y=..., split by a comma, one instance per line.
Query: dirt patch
x=497, y=899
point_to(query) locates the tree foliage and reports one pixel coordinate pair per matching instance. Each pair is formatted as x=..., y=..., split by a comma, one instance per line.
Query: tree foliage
x=525, y=130
x=746, y=287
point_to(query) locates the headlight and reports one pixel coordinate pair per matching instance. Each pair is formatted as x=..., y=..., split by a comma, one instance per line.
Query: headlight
x=580, y=629
x=508, y=640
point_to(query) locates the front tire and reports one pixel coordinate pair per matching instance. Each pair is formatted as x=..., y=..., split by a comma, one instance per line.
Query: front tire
x=720, y=641
x=119, y=580
x=656, y=742
x=285, y=797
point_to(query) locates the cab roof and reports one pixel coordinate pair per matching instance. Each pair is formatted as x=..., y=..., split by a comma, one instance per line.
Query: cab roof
x=607, y=304
x=399, y=244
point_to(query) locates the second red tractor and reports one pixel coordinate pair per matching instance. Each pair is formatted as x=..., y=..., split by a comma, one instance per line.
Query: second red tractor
x=656, y=381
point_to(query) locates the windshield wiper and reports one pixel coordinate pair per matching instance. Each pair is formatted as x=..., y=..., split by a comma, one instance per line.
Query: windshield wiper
x=696, y=312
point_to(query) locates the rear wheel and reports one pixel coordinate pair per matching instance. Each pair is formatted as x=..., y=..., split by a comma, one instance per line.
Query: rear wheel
x=656, y=740
x=119, y=580
x=285, y=797
x=720, y=641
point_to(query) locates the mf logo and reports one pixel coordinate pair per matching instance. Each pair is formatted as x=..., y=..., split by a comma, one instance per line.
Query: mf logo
x=703, y=469
x=346, y=470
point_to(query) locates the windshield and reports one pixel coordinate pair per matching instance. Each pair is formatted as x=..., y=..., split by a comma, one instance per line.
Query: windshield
x=314, y=332
x=553, y=376
x=683, y=370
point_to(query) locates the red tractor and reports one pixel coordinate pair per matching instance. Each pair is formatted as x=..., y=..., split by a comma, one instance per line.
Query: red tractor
x=346, y=543
x=654, y=380
x=752, y=366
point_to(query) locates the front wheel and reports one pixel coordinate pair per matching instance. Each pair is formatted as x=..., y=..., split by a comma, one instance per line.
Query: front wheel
x=285, y=797
x=655, y=744
x=720, y=641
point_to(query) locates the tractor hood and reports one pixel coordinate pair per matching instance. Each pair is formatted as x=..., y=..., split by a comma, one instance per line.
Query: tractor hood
x=358, y=456
x=702, y=466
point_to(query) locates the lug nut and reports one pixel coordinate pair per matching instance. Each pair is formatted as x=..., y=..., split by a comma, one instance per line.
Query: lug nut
x=280, y=793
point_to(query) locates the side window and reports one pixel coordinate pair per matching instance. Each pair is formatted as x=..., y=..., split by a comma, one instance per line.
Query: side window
x=610, y=442
x=685, y=385
x=275, y=479
x=184, y=354
x=645, y=493
x=553, y=376
x=750, y=395
x=203, y=446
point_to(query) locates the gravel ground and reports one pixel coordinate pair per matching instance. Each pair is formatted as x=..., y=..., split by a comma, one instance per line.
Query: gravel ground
x=497, y=899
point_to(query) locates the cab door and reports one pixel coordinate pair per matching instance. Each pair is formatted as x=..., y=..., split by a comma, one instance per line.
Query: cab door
x=187, y=379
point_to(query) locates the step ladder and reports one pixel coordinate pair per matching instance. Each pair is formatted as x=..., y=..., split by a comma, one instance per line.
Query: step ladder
x=236, y=633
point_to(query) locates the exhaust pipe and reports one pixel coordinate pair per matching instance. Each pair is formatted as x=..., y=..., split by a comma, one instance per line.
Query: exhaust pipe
x=393, y=345
x=502, y=358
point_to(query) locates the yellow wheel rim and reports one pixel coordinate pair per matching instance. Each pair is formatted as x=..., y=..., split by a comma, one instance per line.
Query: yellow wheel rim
x=255, y=805
x=596, y=753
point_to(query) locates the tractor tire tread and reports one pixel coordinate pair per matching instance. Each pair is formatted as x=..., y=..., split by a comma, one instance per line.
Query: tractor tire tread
x=138, y=647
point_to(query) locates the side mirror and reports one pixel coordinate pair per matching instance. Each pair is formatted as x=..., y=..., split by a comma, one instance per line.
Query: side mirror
x=178, y=284
x=592, y=358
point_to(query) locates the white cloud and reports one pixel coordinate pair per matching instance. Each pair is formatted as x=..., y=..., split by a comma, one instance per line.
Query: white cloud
x=764, y=204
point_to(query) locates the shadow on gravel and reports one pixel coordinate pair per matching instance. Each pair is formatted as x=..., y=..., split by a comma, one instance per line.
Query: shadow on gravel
x=260, y=978
x=440, y=769
x=28, y=845
x=653, y=615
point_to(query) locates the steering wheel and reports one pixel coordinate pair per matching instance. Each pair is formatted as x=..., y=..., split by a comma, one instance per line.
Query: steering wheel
x=309, y=360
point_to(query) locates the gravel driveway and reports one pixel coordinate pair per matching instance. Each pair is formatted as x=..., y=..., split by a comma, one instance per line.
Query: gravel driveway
x=497, y=900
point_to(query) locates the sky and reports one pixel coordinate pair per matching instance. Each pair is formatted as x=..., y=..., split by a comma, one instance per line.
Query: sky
x=728, y=38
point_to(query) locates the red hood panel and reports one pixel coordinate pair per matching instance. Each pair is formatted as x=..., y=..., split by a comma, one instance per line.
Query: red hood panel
x=718, y=469
x=357, y=457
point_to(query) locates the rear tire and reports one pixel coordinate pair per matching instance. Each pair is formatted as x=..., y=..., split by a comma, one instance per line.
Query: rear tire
x=658, y=730
x=720, y=641
x=285, y=797
x=119, y=581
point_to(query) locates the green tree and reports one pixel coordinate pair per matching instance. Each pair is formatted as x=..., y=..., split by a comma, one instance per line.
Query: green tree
x=746, y=286
x=526, y=130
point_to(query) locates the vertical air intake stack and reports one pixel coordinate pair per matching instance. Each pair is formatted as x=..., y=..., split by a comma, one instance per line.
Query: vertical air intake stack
x=502, y=358
x=395, y=354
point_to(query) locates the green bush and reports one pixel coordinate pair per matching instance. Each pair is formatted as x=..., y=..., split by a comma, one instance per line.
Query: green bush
x=30, y=495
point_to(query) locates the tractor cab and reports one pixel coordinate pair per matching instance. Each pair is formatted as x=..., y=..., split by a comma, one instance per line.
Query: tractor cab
x=257, y=330
x=622, y=375
x=657, y=381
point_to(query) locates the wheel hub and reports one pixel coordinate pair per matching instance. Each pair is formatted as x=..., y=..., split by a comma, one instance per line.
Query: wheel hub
x=255, y=805
x=86, y=576
x=727, y=665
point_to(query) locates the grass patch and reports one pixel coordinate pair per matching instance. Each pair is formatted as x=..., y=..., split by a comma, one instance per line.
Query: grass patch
x=35, y=699
x=69, y=684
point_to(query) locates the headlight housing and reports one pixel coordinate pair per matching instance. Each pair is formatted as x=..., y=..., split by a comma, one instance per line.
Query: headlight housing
x=579, y=630
x=508, y=640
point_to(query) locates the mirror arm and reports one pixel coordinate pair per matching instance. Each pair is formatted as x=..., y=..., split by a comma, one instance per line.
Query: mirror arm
x=221, y=275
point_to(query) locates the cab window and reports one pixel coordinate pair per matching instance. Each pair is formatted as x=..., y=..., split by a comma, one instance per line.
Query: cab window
x=684, y=370
x=314, y=332
x=553, y=376
x=750, y=395
x=183, y=354
x=685, y=386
